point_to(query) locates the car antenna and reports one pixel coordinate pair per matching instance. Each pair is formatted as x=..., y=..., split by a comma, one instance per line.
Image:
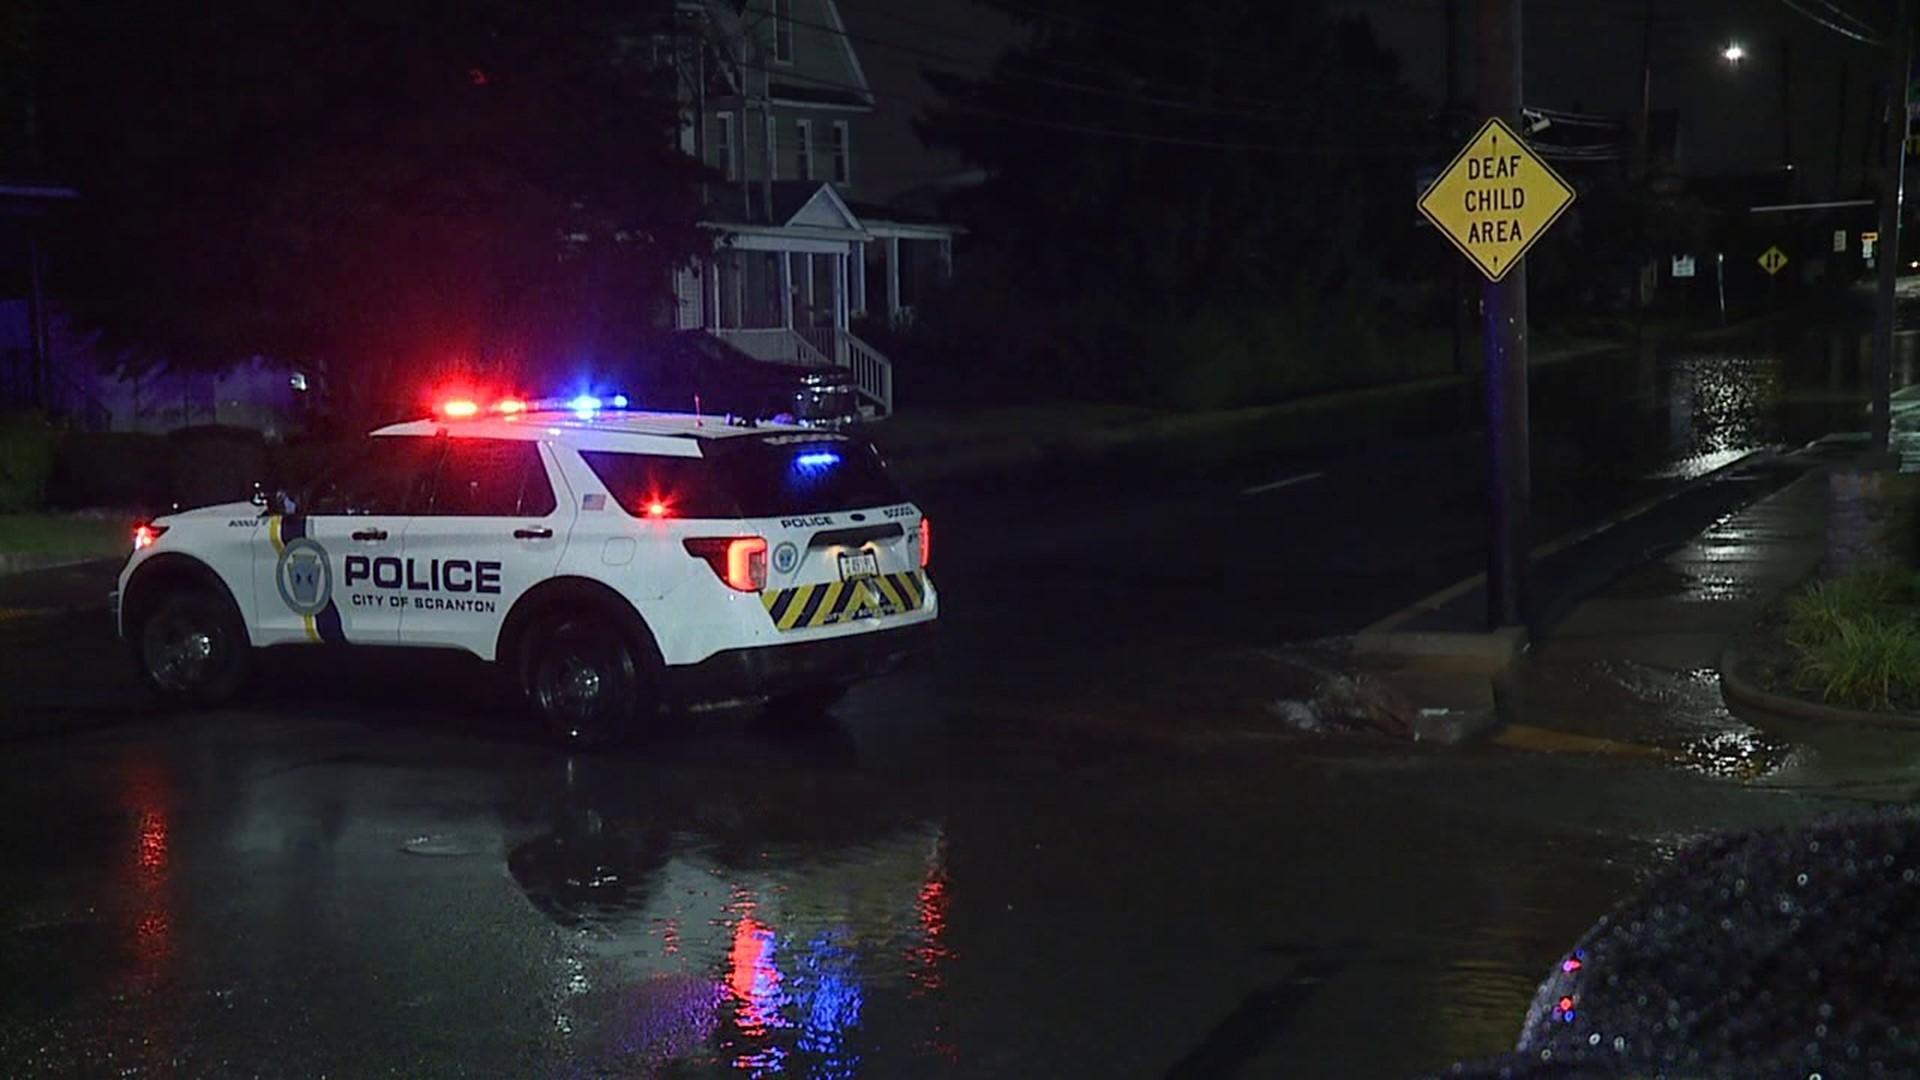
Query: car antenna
x=697, y=420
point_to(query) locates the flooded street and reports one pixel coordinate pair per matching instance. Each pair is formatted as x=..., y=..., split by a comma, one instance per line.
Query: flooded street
x=1059, y=844
x=258, y=898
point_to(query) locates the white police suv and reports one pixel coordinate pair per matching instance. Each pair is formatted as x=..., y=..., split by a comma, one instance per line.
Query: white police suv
x=613, y=562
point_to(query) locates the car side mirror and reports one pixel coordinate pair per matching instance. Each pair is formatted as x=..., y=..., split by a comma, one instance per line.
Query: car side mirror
x=272, y=500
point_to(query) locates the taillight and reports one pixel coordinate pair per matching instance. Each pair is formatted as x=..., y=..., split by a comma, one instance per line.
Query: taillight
x=926, y=543
x=144, y=535
x=740, y=561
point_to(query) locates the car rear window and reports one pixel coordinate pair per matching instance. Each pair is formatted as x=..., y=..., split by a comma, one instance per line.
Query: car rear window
x=782, y=474
x=750, y=476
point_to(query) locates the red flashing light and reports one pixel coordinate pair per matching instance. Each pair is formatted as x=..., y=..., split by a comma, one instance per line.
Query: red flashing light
x=926, y=543
x=459, y=407
x=740, y=561
x=658, y=509
x=509, y=406
x=144, y=535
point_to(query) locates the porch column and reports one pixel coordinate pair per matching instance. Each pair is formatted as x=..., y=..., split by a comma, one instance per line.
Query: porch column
x=806, y=264
x=786, y=289
x=946, y=256
x=893, y=279
x=710, y=318
x=859, y=269
x=840, y=300
x=739, y=290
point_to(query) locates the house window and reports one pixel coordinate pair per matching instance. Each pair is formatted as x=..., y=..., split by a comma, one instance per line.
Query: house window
x=783, y=31
x=723, y=156
x=842, y=154
x=803, y=149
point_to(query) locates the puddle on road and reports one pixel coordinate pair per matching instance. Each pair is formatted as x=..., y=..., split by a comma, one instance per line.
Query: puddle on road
x=1644, y=705
x=715, y=948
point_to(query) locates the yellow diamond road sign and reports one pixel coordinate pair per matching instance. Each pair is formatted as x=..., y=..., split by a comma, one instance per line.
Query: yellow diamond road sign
x=1773, y=260
x=1496, y=199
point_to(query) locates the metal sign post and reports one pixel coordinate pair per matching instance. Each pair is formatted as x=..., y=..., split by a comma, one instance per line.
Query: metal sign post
x=1493, y=203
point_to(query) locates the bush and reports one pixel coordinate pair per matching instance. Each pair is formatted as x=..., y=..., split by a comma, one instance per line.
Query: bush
x=1869, y=663
x=122, y=469
x=26, y=461
x=1856, y=639
x=1227, y=357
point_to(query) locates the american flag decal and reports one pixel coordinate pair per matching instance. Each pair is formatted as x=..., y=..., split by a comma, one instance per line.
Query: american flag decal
x=593, y=502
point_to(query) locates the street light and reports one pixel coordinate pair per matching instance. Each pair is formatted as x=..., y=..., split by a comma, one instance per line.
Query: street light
x=1733, y=53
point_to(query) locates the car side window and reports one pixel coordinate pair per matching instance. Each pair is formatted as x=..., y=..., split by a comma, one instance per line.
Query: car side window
x=649, y=485
x=492, y=478
x=386, y=475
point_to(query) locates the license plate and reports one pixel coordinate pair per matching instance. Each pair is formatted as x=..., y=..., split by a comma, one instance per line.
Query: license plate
x=859, y=565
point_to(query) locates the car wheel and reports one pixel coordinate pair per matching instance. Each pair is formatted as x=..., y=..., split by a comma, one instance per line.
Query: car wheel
x=193, y=649
x=584, y=681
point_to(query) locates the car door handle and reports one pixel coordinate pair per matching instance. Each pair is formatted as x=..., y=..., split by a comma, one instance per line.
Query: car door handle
x=370, y=534
x=541, y=533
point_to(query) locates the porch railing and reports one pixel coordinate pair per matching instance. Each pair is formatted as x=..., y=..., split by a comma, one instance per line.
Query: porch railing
x=778, y=344
x=822, y=346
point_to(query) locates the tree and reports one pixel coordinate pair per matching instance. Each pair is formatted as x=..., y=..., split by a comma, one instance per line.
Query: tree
x=386, y=189
x=1176, y=159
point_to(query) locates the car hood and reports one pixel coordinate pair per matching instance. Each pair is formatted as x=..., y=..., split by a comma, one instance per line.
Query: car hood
x=218, y=512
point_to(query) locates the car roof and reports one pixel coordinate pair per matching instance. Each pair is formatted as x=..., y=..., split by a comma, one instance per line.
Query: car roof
x=670, y=432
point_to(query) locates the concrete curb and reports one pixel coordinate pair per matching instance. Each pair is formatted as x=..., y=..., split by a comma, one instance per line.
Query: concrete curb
x=1489, y=653
x=1737, y=689
x=1385, y=627
x=22, y=562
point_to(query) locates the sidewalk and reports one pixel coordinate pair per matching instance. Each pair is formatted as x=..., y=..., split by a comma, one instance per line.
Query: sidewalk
x=1635, y=666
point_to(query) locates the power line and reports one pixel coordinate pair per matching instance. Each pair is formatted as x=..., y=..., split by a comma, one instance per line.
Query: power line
x=1839, y=12
x=1793, y=5
x=1161, y=101
x=1194, y=142
x=1134, y=136
x=1143, y=33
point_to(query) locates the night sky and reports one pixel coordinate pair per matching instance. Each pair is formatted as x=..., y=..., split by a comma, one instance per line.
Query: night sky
x=1587, y=54
x=1580, y=54
x=893, y=159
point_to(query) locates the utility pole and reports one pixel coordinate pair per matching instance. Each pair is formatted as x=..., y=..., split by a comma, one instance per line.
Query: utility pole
x=1887, y=249
x=1643, y=174
x=1462, y=314
x=1786, y=117
x=1505, y=331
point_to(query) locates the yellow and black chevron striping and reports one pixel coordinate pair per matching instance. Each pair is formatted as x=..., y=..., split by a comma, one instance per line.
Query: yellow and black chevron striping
x=805, y=607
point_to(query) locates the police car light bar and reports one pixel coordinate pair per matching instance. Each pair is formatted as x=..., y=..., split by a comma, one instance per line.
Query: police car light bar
x=583, y=405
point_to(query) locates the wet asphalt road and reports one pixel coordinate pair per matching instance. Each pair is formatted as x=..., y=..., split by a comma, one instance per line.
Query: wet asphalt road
x=1035, y=853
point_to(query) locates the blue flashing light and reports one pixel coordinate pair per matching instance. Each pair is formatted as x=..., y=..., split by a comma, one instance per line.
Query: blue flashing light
x=619, y=401
x=818, y=459
x=585, y=403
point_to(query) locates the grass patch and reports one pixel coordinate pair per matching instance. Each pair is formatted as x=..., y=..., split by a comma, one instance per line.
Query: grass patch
x=76, y=534
x=1855, y=638
x=1866, y=664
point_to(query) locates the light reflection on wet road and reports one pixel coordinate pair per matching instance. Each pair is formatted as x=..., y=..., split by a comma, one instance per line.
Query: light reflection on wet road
x=1039, y=855
x=252, y=896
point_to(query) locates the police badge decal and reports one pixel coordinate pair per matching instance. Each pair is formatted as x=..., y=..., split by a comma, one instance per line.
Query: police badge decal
x=304, y=577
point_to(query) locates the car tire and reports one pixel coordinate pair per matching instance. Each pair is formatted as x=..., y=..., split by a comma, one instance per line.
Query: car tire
x=192, y=649
x=584, y=681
